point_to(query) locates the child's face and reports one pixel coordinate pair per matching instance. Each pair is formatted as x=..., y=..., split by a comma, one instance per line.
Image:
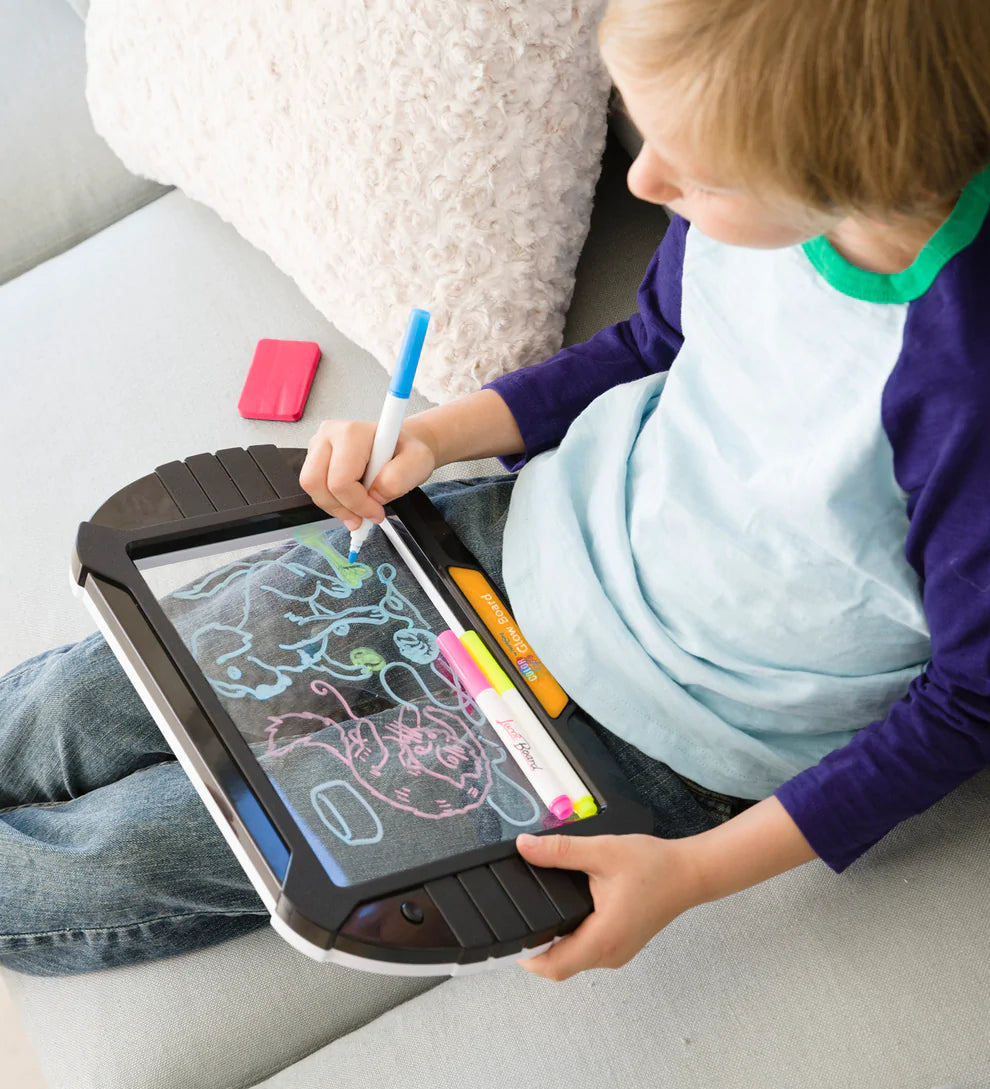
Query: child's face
x=666, y=172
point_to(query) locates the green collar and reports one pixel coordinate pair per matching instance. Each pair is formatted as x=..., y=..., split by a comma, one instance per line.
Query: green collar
x=955, y=234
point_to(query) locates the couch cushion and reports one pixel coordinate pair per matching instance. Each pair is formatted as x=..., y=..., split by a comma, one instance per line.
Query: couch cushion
x=877, y=977
x=384, y=155
x=60, y=182
x=128, y=351
x=226, y=1016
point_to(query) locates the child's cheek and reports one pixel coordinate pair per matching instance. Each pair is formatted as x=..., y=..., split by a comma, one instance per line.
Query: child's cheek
x=740, y=229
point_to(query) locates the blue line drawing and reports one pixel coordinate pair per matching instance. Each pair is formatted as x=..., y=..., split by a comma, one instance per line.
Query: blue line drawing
x=333, y=661
x=306, y=642
x=333, y=817
x=329, y=863
x=406, y=672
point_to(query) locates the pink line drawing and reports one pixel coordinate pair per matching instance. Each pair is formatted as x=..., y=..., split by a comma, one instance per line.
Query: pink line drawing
x=424, y=761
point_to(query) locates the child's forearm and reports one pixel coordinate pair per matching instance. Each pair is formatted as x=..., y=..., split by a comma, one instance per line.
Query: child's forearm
x=760, y=842
x=478, y=425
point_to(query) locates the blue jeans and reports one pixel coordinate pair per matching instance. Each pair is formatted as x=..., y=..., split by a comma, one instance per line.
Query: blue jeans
x=107, y=855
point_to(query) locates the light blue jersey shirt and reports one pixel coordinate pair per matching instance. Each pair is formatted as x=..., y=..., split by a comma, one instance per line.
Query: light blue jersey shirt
x=712, y=561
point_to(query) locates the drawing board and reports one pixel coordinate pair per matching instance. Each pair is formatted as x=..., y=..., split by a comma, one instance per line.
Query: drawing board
x=365, y=793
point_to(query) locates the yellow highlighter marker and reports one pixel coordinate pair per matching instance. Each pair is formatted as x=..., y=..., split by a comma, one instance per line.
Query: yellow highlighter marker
x=584, y=804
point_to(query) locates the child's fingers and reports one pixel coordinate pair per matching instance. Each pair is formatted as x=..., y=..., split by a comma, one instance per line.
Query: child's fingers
x=313, y=475
x=336, y=462
x=347, y=466
x=323, y=469
x=587, y=947
x=564, y=852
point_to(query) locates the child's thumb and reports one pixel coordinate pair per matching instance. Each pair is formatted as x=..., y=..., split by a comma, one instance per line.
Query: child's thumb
x=558, y=852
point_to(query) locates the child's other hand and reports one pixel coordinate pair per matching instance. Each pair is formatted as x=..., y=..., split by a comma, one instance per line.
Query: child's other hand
x=639, y=884
x=338, y=456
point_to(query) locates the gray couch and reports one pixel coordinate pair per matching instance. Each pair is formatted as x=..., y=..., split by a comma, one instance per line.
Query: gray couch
x=128, y=315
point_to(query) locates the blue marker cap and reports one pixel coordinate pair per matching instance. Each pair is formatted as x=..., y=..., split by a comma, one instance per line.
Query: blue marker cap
x=412, y=345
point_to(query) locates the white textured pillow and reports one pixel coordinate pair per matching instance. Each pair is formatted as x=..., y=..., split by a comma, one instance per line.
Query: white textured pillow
x=384, y=153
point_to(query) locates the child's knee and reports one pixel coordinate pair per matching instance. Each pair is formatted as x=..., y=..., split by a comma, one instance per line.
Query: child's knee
x=70, y=721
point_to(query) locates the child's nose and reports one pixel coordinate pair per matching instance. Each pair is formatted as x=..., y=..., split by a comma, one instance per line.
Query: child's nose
x=648, y=180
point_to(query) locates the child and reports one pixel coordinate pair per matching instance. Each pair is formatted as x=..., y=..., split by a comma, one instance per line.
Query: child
x=761, y=500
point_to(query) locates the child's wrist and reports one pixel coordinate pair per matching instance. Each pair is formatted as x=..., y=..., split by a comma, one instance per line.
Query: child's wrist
x=758, y=843
x=420, y=427
x=478, y=425
x=693, y=888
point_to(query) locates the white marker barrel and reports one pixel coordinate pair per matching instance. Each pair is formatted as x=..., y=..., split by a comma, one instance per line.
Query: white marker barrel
x=525, y=754
x=552, y=757
x=507, y=729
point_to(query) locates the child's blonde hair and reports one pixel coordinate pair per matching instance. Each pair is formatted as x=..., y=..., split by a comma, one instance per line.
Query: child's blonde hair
x=880, y=107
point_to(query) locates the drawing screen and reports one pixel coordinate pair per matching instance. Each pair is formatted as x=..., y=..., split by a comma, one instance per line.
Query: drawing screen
x=330, y=670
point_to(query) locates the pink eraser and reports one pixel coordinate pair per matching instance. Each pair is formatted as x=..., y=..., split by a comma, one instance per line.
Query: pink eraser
x=278, y=380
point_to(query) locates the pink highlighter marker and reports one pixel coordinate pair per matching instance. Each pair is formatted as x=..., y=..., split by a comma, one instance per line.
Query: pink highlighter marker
x=495, y=709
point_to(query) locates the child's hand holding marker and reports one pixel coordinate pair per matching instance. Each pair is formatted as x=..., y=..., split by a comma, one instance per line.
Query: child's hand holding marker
x=350, y=462
x=336, y=462
x=354, y=467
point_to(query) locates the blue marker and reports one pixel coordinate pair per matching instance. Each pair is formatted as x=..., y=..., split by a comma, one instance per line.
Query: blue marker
x=393, y=413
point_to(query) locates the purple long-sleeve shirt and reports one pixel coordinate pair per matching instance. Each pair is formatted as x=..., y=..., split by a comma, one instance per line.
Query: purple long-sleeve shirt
x=935, y=414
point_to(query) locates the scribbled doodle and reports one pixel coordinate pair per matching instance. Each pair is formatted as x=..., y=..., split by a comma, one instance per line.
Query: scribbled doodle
x=331, y=672
x=424, y=760
x=369, y=658
x=345, y=813
x=254, y=646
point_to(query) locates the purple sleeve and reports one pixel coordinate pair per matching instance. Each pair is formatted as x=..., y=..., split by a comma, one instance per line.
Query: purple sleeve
x=936, y=413
x=547, y=397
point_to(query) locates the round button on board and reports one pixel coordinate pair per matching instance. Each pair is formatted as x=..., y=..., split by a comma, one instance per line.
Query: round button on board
x=411, y=912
